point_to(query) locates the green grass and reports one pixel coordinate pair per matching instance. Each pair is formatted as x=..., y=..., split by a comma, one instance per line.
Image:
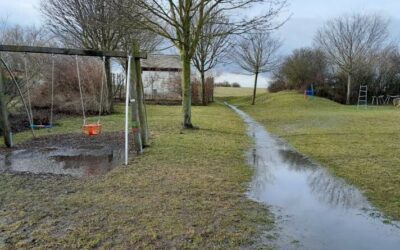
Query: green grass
x=362, y=146
x=110, y=123
x=227, y=92
x=186, y=192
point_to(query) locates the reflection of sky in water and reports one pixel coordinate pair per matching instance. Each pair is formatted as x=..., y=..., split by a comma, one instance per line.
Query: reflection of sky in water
x=320, y=210
x=62, y=161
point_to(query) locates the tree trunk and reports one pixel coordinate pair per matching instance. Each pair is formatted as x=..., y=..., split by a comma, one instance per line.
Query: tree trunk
x=136, y=126
x=4, y=122
x=255, y=89
x=140, y=99
x=213, y=90
x=186, y=91
x=110, y=96
x=203, y=89
x=348, y=88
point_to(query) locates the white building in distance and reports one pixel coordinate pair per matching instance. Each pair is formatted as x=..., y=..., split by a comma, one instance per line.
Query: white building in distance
x=161, y=76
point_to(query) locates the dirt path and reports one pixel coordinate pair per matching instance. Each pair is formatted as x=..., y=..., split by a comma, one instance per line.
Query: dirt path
x=315, y=209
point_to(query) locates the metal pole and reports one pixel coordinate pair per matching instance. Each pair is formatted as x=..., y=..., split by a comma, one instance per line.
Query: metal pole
x=128, y=84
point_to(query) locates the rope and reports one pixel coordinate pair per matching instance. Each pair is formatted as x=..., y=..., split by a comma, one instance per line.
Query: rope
x=104, y=76
x=20, y=93
x=27, y=90
x=80, y=90
x=52, y=91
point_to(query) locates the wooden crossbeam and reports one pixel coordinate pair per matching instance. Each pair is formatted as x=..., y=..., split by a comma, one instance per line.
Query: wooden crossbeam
x=65, y=51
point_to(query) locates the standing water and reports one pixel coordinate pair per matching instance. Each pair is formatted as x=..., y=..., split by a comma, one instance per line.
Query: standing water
x=77, y=162
x=315, y=210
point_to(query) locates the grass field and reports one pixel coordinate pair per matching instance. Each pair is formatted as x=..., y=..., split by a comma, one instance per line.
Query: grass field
x=226, y=91
x=186, y=192
x=362, y=146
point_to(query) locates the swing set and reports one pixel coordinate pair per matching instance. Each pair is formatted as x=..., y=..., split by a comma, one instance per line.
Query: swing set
x=90, y=129
x=31, y=118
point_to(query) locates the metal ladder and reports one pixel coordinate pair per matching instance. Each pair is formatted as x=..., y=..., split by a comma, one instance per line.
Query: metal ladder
x=363, y=96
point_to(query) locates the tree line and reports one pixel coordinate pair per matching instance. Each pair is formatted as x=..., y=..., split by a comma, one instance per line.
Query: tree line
x=348, y=51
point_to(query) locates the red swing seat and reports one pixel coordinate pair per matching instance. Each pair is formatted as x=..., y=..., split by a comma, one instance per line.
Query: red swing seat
x=92, y=129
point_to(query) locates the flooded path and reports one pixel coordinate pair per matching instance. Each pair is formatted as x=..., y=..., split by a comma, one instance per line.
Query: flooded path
x=314, y=209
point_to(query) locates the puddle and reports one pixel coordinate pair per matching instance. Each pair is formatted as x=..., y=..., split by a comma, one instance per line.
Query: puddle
x=77, y=162
x=314, y=209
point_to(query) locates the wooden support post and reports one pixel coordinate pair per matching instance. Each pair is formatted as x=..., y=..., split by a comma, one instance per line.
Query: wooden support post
x=4, y=122
x=135, y=111
x=110, y=96
x=140, y=98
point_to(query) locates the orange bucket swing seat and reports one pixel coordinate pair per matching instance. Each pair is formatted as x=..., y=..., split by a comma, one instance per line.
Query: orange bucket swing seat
x=92, y=129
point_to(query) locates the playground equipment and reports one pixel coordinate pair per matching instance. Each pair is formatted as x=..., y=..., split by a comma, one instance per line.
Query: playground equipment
x=378, y=100
x=31, y=120
x=390, y=98
x=309, y=92
x=91, y=129
x=78, y=52
x=363, y=96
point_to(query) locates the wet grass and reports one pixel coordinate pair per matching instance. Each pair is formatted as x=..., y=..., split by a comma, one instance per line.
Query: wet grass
x=186, y=192
x=361, y=146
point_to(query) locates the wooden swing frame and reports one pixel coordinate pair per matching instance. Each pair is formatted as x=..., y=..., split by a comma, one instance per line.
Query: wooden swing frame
x=76, y=52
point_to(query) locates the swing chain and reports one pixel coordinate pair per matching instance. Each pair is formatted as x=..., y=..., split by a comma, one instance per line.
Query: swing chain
x=27, y=90
x=80, y=89
x=52, y=91
x=103, y=78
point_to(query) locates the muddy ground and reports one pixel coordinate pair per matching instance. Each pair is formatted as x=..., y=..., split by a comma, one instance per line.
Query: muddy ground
x=68, y=154
x=113, y=140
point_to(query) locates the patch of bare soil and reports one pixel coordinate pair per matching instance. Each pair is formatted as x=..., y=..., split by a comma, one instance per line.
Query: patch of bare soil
x=112, y=140
x=68, y=154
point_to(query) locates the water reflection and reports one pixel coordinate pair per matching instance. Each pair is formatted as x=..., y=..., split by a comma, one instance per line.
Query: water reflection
x=333, y=191
x=320, y=210
x=62, y=161
x=329, y=190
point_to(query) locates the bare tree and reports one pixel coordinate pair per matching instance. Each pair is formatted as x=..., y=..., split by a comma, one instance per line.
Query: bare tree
x=211, y=50
x=91, y=24
x=182, y=23
x=95, y=24
x=350, y=39
x=36, y=64
x=257, y=53
x=384, y=71
x=303, y=67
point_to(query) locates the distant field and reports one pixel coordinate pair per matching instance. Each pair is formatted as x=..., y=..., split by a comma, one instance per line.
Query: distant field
x=225, y=91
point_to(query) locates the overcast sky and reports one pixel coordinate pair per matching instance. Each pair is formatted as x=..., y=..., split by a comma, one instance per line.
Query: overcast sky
x=307, y=17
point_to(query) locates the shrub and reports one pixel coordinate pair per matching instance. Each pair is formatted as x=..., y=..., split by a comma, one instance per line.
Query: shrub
x=66, y=87
x=235, y=85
